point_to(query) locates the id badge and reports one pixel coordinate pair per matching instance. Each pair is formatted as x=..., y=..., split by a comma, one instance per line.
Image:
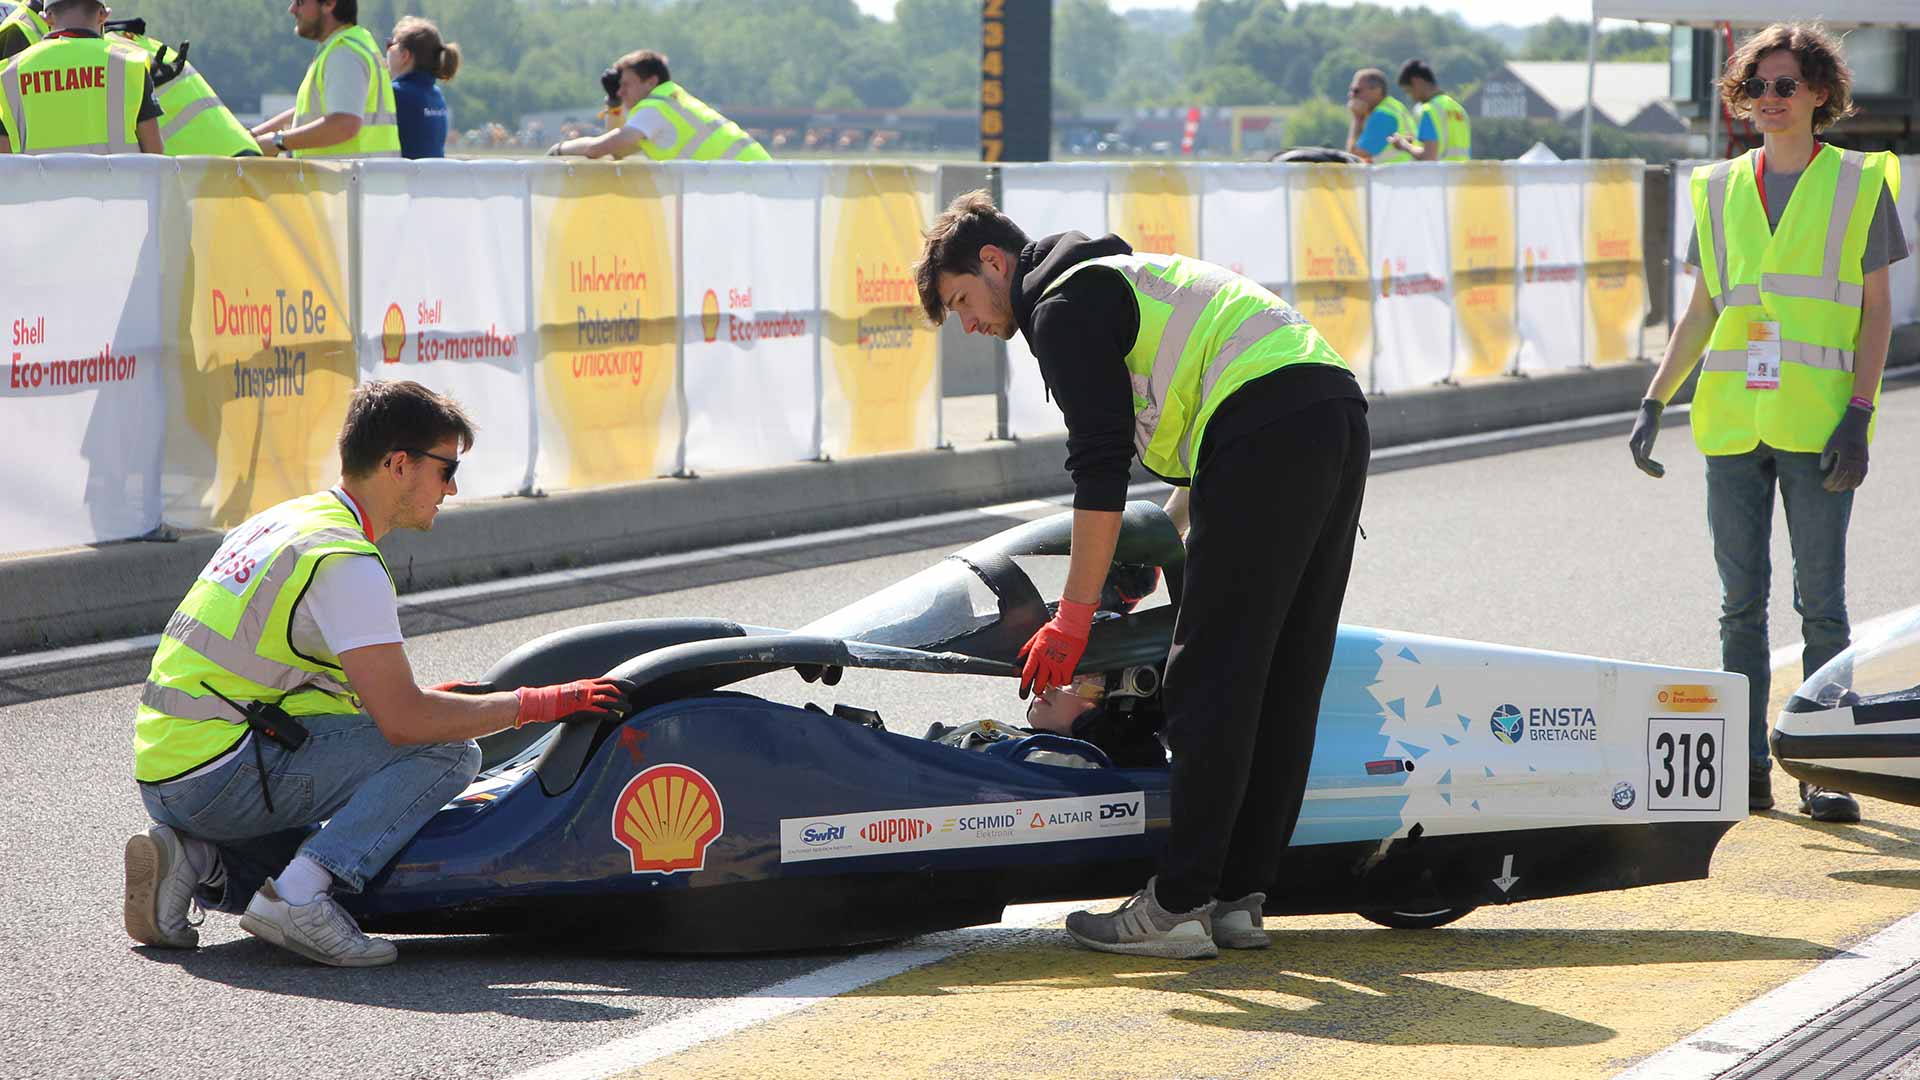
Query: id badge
x=1763, y=356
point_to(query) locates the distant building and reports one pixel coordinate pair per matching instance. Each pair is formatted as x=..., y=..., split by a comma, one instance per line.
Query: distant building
x=1629, y=96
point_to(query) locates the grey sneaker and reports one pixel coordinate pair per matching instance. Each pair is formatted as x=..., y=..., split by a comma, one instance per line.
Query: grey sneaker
x=319, y=931
x=159, y=895
x=1237, y=924
x=1141, y=927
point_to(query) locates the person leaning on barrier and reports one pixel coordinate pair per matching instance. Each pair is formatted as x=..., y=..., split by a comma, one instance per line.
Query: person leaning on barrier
x=417, y=59
x=281, y=697
x=74, y=92
x=1792, y=308
x=1377, y=117
x=1222, y=387
x=1442, y=131
x=345, y=107
x=663, y=120
x=194, y=122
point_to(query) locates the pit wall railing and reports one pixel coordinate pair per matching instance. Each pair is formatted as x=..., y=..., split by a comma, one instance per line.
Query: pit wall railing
x=184, y=333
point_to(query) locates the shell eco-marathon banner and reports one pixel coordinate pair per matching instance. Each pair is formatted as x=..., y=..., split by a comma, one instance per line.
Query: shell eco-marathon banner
x=606, y=310
x=443, y=301
x=84, y=387
x=880, y=377
x=750, y=318
x=263, y=348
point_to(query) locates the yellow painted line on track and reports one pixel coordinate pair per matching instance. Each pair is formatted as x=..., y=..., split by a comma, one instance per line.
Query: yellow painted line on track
x=1580, y=987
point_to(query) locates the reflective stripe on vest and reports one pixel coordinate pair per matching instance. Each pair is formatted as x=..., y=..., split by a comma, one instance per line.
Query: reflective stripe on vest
x=24, y=26
x=196, y=121
x=75, y=115
x=1451, y=127
x=241, y=643
x=1403, y=121
x=1805, y=275
x=1178, y=361
x=379, y=134
x=700, y=133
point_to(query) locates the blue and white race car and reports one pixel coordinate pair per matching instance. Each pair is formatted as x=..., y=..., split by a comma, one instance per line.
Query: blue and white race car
x=1447, y=774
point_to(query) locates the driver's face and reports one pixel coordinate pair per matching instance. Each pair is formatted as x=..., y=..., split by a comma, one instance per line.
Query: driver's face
x=1055, y=710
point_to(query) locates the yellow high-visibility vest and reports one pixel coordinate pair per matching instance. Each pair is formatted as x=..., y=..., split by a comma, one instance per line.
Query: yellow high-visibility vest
x=1403, y=123
x=1805, y=276
x=193, y=119
x=379, y=134
x=233, y=633
x=73, y=95
x=700, y=133
x=1450, y=126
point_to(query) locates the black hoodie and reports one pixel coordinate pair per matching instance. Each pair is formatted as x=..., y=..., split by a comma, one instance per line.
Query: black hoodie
x=1081, y=334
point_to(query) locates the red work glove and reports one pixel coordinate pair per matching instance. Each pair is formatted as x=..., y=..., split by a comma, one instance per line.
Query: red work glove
x=1053, y=652
x=546, y=704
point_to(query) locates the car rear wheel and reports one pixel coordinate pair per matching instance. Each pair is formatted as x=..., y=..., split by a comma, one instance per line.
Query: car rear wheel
x=1418, y=919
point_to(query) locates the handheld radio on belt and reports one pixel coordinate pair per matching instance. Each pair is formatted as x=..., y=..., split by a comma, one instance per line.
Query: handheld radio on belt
x=269, y=721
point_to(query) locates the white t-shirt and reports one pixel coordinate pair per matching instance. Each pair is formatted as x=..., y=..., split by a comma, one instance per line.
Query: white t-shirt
x=652, y=124
x=350, y=605
x=344, y=81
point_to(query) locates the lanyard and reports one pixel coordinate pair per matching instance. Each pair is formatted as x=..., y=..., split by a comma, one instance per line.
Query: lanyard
x=1760, y=180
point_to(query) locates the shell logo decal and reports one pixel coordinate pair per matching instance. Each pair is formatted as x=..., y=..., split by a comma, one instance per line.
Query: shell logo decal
x=666, y=817
x=393, y=334
x=1386, y=278
x=710, y=316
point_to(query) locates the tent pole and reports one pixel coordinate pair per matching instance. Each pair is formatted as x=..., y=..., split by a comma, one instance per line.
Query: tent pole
x=1713, y=98
x=1586, y=118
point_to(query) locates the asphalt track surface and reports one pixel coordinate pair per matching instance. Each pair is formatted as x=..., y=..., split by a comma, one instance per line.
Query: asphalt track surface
x=1564, y=547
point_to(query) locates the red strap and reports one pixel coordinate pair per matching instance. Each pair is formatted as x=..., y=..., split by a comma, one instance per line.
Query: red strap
x=361, y=513
x=1760, y=180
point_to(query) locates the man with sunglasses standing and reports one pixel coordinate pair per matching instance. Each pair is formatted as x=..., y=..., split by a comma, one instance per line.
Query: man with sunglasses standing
x=1792, y=309
x=345, y=107
x=281, y=697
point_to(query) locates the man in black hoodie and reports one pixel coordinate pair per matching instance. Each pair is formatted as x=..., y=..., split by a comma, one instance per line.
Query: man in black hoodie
x=1222, y=387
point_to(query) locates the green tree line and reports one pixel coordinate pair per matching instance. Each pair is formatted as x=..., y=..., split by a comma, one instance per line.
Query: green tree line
x=523, y=56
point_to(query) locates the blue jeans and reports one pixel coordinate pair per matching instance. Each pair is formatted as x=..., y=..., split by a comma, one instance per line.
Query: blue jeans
x=1740, y=516
x=372, y=795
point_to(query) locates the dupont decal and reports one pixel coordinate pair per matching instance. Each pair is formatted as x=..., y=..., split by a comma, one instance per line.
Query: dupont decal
x=1687, y=698
x=665, y=818
x=946, y=828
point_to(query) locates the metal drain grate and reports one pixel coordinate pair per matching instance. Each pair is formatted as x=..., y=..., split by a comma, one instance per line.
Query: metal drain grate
x=1860, y=1040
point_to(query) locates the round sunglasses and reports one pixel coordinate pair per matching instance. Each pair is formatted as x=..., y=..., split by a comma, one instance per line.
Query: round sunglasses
x=1783, y=87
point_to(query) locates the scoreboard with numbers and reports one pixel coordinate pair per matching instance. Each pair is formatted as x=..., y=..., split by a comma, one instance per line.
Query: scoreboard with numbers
x=1016, y=80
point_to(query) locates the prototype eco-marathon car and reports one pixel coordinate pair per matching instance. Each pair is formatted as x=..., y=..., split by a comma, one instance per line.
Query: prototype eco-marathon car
x=1855, y=725
x=1447, y=774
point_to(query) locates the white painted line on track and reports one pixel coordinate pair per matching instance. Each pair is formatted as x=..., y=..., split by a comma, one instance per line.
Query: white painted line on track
x=1766, y=1020
x=717, y=1021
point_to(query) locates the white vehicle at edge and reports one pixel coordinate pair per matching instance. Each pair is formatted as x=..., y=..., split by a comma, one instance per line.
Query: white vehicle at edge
x=1855, y=725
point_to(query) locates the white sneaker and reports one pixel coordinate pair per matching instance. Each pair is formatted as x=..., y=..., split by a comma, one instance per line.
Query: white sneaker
x=1241, y=924
x=159, y=894
x=319, y=931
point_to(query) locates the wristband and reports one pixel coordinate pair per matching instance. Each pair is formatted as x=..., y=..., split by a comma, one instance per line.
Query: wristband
x=1859, y=402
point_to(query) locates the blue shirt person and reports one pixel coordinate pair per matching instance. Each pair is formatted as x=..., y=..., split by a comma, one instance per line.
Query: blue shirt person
x=418, y=59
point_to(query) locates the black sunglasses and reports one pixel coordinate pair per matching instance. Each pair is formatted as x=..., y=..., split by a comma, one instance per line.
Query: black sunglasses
x=1783, y=87
x=452, y=465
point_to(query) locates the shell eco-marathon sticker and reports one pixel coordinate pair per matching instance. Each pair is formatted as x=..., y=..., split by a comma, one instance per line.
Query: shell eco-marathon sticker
x=665, y=818
x=943, y=828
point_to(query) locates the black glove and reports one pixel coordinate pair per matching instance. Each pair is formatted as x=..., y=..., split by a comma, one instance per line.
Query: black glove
x=1646, y=429
x=1845, y=458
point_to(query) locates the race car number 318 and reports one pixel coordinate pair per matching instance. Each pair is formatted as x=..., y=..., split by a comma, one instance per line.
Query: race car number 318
x=1684, y=768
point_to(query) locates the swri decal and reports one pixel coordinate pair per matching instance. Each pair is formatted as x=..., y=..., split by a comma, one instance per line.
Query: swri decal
x=946, y=828
x=665, y=818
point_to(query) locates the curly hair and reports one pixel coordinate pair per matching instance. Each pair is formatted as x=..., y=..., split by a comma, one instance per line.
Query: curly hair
x=1822, y=67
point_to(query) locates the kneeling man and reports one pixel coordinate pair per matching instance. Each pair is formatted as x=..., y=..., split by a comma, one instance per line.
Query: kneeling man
x=281, y=697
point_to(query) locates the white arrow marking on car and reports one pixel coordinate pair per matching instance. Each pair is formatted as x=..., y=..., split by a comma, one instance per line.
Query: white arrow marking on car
x=1506, y=878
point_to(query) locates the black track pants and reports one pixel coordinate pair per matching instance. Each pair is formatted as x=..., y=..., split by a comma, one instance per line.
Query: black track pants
x=1274, y=512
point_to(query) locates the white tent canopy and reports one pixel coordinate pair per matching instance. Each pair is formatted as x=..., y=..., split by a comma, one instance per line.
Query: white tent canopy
x=1835, y=13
